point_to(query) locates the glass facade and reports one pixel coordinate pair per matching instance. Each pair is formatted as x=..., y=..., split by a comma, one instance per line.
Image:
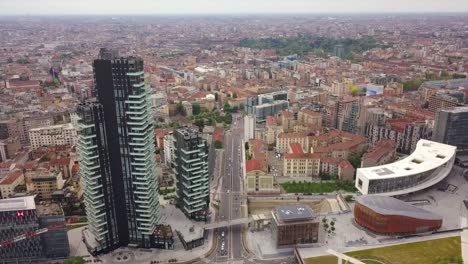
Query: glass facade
x=451, y=127
x=191, y=168
x=117, y=162
x=13, y=224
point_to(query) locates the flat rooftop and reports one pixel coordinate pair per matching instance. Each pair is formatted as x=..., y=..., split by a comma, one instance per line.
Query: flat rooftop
x=20, y=203
x=292, y=213
x=46, y=209
x=428, y=155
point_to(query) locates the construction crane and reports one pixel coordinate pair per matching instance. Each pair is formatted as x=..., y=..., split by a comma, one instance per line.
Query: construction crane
x=31, y=234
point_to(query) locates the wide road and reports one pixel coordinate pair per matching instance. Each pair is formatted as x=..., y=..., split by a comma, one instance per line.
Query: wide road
x=230, y=193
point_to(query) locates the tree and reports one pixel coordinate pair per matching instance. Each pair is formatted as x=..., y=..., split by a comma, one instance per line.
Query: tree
x=227, y=107
x=22, y=61
x=412, y=85
x=234, y=95
x=24, y=77
x=228, y=118
x=212, y=122
x=216, y=97
x=241, y=107
x=444, y=74
x=218, y=144
x=349, y=198
x=180, y=110
x=354, y=90
x=355, y=159
x=246, y=145
x=196, y=109
x=458, y=76
x=200, y=123
x=10, y=60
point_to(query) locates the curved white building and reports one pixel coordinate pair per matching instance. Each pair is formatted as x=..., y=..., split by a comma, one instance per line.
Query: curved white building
x=427, y=165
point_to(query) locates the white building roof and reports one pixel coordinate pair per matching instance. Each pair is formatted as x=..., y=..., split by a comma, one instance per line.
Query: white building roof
x=15, y=204
x=62, y=126
x=428, y=155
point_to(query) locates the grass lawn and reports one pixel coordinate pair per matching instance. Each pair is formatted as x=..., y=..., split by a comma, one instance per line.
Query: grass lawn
x=438, y=251
x=318, y=187
x=322, y=260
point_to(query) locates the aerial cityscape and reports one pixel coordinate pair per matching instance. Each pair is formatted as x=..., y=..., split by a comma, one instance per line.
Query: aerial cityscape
x=284, y=132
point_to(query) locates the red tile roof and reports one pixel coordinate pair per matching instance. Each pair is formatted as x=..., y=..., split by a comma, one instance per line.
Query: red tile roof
x=271, y=121
x=314, y=156
x=287, y=114
x=11, y=177
x=310, y=112
x=76, y=168
x=381, y=149
x=251, y=165
x=295, y=148
x=60, y=161
x=292, y=135
x=345, y=164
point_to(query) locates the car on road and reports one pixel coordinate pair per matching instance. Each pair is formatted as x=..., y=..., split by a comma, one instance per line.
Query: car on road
x=222, y=234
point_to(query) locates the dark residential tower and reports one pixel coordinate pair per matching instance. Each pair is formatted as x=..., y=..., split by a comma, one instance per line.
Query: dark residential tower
x=191, y=168
x=451, y=127
x=116, y=151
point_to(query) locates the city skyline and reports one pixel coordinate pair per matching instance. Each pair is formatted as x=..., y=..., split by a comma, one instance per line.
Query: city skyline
x=148, y=7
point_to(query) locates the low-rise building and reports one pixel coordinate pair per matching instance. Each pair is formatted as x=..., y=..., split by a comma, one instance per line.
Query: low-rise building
x=309, y=117
x=284, y=139
x=294, y=224
x=441, y=102
x=296, y=163
x=273, y=129
x=390, y=216
x=56, y=135
x=381, y=153
x=9, y=147
x=10, y=182
x=258, y=180
x=338, y=167
x=44, y=182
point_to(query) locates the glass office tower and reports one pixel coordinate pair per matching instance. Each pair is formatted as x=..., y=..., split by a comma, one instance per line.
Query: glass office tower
x=117, y=162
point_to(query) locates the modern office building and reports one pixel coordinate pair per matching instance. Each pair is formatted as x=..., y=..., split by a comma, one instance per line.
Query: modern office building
x=429, y=164
x=294, y=224
x=339, y=50
x=56, y=135
x=17, y=217
x=116, y=155
x=390, y=216
x=374, y=89
x=21, y=216
x=55, y=242
x=451, y=127
x=191, y=168
x=268, y=104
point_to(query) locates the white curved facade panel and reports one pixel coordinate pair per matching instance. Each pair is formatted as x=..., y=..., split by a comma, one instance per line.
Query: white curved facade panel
x=427, y=165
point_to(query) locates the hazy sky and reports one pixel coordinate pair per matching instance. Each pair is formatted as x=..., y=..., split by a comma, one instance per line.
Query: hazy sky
x=32, y=7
